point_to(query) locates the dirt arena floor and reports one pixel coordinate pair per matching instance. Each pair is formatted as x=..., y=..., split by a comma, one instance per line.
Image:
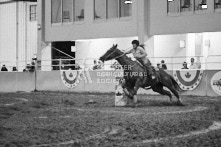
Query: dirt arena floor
x=47, y=119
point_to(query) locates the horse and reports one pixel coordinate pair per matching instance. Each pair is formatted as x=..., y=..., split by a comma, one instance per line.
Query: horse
x=136, y=76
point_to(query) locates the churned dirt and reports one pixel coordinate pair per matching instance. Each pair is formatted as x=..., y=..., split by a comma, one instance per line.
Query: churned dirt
x=48, y=119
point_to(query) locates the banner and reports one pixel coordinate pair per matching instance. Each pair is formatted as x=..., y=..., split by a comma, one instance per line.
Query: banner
x=71, y=78
x=216, y=83
x=188, y=79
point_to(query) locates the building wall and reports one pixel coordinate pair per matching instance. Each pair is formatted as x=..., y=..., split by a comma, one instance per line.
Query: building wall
x=17, y=42
x=161, y=23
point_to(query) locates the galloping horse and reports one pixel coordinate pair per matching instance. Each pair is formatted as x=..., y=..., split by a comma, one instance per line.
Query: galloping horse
x=136, y=76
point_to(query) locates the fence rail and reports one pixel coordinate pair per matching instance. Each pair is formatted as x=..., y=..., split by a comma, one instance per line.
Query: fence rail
x=173, y=63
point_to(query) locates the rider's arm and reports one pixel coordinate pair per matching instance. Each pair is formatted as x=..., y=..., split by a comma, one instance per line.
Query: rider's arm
x=142, y=53
x=128, y=51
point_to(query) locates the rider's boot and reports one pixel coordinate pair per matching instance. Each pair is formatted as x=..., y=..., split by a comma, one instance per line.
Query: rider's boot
x=150, y=71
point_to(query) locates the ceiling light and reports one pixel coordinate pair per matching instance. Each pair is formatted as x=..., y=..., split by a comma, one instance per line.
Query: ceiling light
x=128, y=2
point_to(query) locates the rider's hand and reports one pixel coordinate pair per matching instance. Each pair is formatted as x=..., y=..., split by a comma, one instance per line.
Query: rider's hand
x=136, y=56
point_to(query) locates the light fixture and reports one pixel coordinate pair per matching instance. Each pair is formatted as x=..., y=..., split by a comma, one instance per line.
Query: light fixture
x=128, y=2
x=204, y=6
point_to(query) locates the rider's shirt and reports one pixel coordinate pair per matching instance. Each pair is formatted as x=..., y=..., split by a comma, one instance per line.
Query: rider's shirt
x=139, y=51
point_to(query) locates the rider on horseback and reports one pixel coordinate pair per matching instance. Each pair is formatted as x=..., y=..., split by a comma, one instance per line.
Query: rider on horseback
x=140, y=54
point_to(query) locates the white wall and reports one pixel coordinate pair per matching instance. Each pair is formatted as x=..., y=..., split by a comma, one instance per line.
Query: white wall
x=46, y=58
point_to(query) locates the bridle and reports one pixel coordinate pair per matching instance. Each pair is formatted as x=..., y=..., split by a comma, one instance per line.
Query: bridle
x=114, y=57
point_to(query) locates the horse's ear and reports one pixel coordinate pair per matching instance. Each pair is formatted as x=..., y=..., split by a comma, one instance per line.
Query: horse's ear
x=115, y=46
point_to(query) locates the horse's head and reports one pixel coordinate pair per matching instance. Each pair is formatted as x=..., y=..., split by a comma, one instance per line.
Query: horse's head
x=112, y=53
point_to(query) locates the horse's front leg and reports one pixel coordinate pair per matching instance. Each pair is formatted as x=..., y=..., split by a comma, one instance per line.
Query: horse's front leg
x=135, y=89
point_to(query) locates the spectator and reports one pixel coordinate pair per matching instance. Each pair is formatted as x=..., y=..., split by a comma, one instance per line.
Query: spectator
x=95, y=67
x=198, y=63
x=27, y=68
x=193, y=64
x=4, y=68
x=100, y=65
x=185, y=65
x=163, y=65
x=32, y=67
x=14, y=69
x=77, y=66
x=158, y=65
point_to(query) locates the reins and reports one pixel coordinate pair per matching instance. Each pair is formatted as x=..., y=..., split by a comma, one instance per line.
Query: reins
x=114, y=57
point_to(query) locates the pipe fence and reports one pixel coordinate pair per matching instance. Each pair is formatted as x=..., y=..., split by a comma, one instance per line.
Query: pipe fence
x=212, y=62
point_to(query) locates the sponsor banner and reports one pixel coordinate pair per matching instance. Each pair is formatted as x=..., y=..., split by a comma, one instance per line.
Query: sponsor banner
x=216, y=83
x=188, y=79
x=71, y=78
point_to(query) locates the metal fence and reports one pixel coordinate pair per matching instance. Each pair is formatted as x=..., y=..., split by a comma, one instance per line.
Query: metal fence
x=212, y=62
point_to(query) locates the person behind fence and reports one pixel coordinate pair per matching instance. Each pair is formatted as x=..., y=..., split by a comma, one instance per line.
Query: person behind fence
x=14, y=69
x=140, y=55
x=193, y=65
x=95, y=67
x=163, y=65
x=27, y=68
x=32, y=67
x=77, y=66
x=184, y=66
x=4, y=68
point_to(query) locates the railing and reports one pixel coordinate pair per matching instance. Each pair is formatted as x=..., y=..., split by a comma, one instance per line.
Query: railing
x=173, y=63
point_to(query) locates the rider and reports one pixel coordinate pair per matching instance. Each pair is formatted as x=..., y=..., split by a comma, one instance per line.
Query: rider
x=140, y=54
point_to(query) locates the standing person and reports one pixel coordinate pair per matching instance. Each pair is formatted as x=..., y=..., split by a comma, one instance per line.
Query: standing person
x=95, y=67
x=140, y=54
x=163, y=65
x=193, y=64
x=14, y=69
x=4, y=68
x=184, y=66
x=32, y=67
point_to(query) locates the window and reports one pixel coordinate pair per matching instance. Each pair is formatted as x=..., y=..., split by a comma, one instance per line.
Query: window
x=64, y=11
x=217, y=4
x=173, y=6
x=125, y=8
x=107, y=9
x=55, y=11
x=100, y=8
x=112, y=8
x=67, y=9
x=186, y=5
x=33, y=12
x=200, y=4
x=179, y=6
x=79, y=10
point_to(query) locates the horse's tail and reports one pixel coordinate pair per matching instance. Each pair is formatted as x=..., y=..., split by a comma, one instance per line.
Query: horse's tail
x=176, y=85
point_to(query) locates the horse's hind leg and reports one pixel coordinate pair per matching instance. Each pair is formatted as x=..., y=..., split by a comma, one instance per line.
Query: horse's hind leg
x=160, y=90
x=179, y=102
